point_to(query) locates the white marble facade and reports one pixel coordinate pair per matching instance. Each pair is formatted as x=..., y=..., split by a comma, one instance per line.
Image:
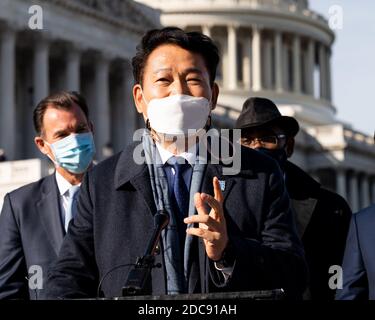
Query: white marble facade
x=85, y=45
x=282, y=50
x=274, y=48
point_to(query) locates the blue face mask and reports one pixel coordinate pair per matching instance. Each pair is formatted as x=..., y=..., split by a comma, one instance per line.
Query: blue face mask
x=75, y=152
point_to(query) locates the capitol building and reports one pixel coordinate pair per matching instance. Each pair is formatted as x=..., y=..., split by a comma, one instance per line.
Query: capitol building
x=279, y=49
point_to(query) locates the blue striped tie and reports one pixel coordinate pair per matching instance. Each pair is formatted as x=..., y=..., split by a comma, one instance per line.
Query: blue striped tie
x=180, y=190
x=180, y=196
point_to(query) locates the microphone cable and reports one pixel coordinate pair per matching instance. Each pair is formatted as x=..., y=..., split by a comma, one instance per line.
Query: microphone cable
x=108, y=272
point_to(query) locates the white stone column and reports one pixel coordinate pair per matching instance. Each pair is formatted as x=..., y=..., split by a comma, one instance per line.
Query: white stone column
x=296, y=64
x=267, y=64
x=286, y=68
x=131, y=115
x=224, y=61
x=353, y=181
x=73, y=63
x=41, y=70
x=341, y=183
x=279, y=61
x=365, y=192
x=7, y=93
x=257, y=59
x=206, y=30
x=41, y=88
x=247, y=64
x=232, y=57
x=102, y=105
x=310, y=66
x=323, y=71
x=328, y=74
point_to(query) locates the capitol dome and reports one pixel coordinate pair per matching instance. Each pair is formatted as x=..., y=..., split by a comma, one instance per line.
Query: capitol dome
x=280, y=49
x=274, y=48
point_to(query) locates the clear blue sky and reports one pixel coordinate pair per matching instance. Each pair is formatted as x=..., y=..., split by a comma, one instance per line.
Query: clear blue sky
x=353, y=63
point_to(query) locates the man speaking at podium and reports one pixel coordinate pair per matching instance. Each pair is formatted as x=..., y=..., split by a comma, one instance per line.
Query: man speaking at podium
x=225, y=233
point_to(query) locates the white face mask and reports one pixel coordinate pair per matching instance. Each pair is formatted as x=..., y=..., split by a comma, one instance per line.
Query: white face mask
x=176, y=114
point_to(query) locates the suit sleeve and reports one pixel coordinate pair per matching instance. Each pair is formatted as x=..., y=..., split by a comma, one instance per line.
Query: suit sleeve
x=75, y=275
x=13, y=270
x=354, y=273
x=276, y=260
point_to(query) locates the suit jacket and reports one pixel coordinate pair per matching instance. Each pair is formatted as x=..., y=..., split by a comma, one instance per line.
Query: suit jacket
x=322, y=220
x=115, y=219
x=359, y=259
x=31, y=233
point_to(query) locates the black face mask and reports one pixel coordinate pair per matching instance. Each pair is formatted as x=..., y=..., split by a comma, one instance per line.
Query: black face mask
x=277, y=154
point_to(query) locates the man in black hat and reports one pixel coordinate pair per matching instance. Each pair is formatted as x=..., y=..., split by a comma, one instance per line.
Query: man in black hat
x=322, y=216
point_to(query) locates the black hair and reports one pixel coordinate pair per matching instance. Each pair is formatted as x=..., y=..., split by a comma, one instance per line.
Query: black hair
x=60, y=100
x=192, y=41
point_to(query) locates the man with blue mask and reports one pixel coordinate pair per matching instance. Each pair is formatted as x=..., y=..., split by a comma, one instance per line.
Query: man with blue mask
x=220, y=236
x=322, y=216
x=35, y=218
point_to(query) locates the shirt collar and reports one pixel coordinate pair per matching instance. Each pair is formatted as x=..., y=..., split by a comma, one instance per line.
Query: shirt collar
x=190, y=155
x=63, y=184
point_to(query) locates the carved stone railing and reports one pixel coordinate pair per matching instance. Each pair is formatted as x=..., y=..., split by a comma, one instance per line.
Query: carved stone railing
x=292, y=6
x=115, y=8
x=120, y=12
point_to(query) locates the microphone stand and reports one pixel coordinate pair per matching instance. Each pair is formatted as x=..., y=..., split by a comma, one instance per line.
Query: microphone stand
x=140, y=273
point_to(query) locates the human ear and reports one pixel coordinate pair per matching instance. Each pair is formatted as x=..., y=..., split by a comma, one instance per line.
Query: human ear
x=138, y=98
x=41, y=145
x=214, y=96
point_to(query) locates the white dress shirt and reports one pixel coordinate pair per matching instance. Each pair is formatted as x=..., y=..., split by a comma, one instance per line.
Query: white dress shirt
x=63, y=186
x=189, y=155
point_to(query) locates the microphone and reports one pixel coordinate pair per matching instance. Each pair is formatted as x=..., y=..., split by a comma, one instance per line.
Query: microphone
x=161, y=220
x=139, y=274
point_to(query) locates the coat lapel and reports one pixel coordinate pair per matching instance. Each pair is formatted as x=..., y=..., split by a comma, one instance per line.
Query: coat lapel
x=136, y=175
x=142, y=183
x=129, y=175
x=49, y=211
x=303, y=212
x=225, y=181
x=302, y=190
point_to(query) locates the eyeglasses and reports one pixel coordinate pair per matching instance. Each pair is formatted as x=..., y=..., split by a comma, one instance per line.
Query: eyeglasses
x=267, y=141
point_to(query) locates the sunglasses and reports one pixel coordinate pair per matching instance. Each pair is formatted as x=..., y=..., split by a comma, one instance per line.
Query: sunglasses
x=266, y=141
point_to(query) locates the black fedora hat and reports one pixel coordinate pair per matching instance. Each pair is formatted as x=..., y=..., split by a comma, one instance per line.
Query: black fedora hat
x=260, y=112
